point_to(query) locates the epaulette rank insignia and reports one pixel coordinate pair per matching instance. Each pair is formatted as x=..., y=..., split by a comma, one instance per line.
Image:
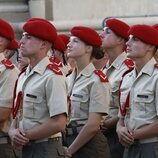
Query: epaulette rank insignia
x=8, y=64
x=129, y=63
x=101, y=75
x=55, y=69
x=156, y=65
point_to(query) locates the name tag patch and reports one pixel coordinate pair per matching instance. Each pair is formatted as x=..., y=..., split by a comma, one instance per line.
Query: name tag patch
x=31, y=96
x=78, y=95
x=142, y=96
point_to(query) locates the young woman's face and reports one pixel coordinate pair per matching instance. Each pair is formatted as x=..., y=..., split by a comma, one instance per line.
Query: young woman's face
x=109, y=38
x=136, y=48
x=76, y=47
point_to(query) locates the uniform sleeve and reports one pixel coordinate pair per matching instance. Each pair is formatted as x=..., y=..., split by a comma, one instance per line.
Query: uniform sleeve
x=56, y=95
x=100, y=97
x=7, y=82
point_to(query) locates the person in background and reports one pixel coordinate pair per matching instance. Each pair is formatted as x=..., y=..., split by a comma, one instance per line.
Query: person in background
x=58, y=56
x=11, y=50
x=22, y=62
x=100, y=63
x=8, y=76
x=40, y=96
x=89, y=93
x=114, y=37
x=138, y=124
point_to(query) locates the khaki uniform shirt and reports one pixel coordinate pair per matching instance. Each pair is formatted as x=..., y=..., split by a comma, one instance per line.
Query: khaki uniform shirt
x=87, y=94
x=114, y=73
x=44, y=94
x=7, y=82
x=143, y=107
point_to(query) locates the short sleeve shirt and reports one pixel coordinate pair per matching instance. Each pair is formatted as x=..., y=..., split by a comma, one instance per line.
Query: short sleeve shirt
x=44, y=94
x=114, y=73
x=143, y=106
x=87, y=94
x=8, y=78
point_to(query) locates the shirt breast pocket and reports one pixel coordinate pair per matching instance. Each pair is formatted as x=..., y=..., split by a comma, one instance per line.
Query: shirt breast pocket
x=32, y=106
x=144, y=103
x=79, y=107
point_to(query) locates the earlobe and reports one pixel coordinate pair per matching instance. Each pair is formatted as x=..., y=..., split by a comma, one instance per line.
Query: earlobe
x=89, y=48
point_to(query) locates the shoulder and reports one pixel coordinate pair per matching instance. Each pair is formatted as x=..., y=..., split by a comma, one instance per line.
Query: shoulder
x=129, y=63
x=101, y=75
x=55, y=69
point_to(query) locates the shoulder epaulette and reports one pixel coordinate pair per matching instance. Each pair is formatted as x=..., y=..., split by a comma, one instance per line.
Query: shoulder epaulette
x=56, y=61
x=129, y=63
x=55, y=69
x=156, y=65
x=7, y=63
x=102, y=76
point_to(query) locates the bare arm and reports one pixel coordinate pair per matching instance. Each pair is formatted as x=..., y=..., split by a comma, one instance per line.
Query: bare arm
x=4, y=115
x=147, y=131
x=51, y=126
x=88, y=131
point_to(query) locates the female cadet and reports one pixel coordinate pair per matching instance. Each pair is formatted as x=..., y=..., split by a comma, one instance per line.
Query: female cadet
x=89, y=96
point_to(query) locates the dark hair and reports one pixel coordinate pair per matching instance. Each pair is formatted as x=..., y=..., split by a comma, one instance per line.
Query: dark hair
x=97, y=52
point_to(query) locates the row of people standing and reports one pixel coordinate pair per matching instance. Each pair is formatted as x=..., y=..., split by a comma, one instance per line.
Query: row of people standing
x=40, y=96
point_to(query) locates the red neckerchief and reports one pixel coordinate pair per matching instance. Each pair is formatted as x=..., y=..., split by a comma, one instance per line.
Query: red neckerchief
x=126, y=105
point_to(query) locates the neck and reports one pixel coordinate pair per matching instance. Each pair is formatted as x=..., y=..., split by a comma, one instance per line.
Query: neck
x=114, y=53
x=81, y=64
x=35, y=60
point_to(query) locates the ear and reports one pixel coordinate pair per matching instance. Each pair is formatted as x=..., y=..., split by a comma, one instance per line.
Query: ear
x=120, y=40
x=89, y=48
x=151, y=48
x=44, y=44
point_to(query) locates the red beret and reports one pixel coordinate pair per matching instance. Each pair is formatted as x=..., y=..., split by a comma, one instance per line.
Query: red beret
x=65, y=38
x=119, y=27
x=41, y=28
x=146, y=33
x=155, y=26
x=87, y=35
x=13, y=45
x=59, y=44
x=6, y=30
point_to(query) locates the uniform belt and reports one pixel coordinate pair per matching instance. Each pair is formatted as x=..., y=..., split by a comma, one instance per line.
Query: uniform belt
x=73, y=130
x=54, y=139
x=4, y=140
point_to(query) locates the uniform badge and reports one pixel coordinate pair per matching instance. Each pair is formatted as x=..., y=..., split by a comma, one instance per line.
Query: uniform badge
x=102, y=76
x=129, y=63
x=55, y=69
x=8, y=64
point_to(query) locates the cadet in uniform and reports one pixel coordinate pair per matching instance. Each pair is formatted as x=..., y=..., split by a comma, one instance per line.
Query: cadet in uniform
x=11, y=50
x=114, y=37
x=138, y=124
x=89, y=93
x=8, y=76
x=59, y=57
x=41, y=96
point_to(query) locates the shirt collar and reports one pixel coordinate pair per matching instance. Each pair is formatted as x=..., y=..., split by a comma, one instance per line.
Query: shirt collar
x=40, y=67
x=149, y=67
x=88, y=70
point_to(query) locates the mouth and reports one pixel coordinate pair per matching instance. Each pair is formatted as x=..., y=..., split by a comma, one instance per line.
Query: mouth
x=128, y=50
